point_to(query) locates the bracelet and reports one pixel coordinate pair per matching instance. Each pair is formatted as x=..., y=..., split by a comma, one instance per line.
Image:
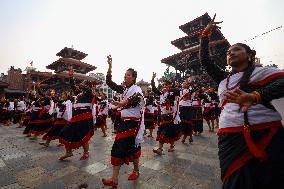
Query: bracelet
x=257, y=96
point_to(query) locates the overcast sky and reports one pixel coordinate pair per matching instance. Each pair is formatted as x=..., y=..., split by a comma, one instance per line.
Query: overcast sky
x=136, y=33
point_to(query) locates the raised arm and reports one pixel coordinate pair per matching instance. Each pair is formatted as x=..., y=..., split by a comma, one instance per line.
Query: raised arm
x=109, y=82
x=211, y=68
x=154, y=88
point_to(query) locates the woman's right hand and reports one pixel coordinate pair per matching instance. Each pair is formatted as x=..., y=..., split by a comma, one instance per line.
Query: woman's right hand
x=154, y=75
x=211, y=26
x=109, y=61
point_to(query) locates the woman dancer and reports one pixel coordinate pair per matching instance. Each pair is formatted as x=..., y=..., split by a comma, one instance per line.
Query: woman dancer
x=79, y=129
x=126, y=148
x=251, y=136
x=168, y=131
x=63, y=115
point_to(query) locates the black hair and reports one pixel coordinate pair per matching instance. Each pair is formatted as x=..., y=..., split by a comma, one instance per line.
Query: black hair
x=134, y=73
x=244, y=82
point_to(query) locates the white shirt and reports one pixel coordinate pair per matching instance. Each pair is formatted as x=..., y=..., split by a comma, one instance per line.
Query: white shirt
x=231, y=116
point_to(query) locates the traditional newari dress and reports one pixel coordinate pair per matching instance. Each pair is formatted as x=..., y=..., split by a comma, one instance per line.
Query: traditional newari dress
x=79, y=129
x=208, y=108
x=5, y=112
x=111, y=112
x=102, y=112
x=251, y=145
x=1, y=112
x=44, y=120
x=169, y=130
x=34, y=118
x=19, y=111
x=27, y=115
x=127, y=145
x=149, y=114
x=215, y=101
x=11, y=110
x=197, y=116
x=63, y=114
x=185, y=109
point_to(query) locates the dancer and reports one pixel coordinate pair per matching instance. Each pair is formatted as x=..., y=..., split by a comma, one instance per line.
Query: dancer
x=251, y=136
x=63, y=115
x=79, y=129
x=149, y=118
x=168, y=131
x=101, y=113
x=186, y=111
x=45, y=119
x=126, y=147
x=209, y=111
x=197, y=115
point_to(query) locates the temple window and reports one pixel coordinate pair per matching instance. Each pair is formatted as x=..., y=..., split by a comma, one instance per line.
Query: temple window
x=186, y=42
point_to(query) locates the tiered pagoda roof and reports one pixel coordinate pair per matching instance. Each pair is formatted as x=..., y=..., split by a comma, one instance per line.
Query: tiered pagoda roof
x=143, y=83
x=193, y=39
x=63, y=64
x=188, y=58
x=190, y=54
x=70, y=59
x=196, y=24
x=71, y=53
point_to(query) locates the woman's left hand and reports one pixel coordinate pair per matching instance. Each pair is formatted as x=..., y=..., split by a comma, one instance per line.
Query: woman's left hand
x=119, y=103
x=245, y=100
x=116, y=103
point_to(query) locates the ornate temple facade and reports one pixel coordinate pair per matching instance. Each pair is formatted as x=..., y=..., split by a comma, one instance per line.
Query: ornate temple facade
x=69, y=60
x=16, y=83
x=186, y=62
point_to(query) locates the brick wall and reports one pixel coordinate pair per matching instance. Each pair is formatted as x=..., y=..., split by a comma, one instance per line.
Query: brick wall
x=15, y=79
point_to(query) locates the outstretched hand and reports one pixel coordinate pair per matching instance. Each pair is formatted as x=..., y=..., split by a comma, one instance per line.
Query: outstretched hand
x=109, y=60
x=211, y=26
x=154, y=75
x=245, y=100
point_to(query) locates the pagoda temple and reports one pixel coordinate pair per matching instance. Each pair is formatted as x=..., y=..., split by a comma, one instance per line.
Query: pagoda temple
x=70, y=59
x=186, y=62
x=143, y=85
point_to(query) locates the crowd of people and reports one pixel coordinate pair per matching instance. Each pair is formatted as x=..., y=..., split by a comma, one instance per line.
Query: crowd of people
x=251, y=136
x=177, y=110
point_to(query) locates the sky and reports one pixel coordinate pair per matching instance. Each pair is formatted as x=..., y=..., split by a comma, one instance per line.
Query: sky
x=137, y=34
